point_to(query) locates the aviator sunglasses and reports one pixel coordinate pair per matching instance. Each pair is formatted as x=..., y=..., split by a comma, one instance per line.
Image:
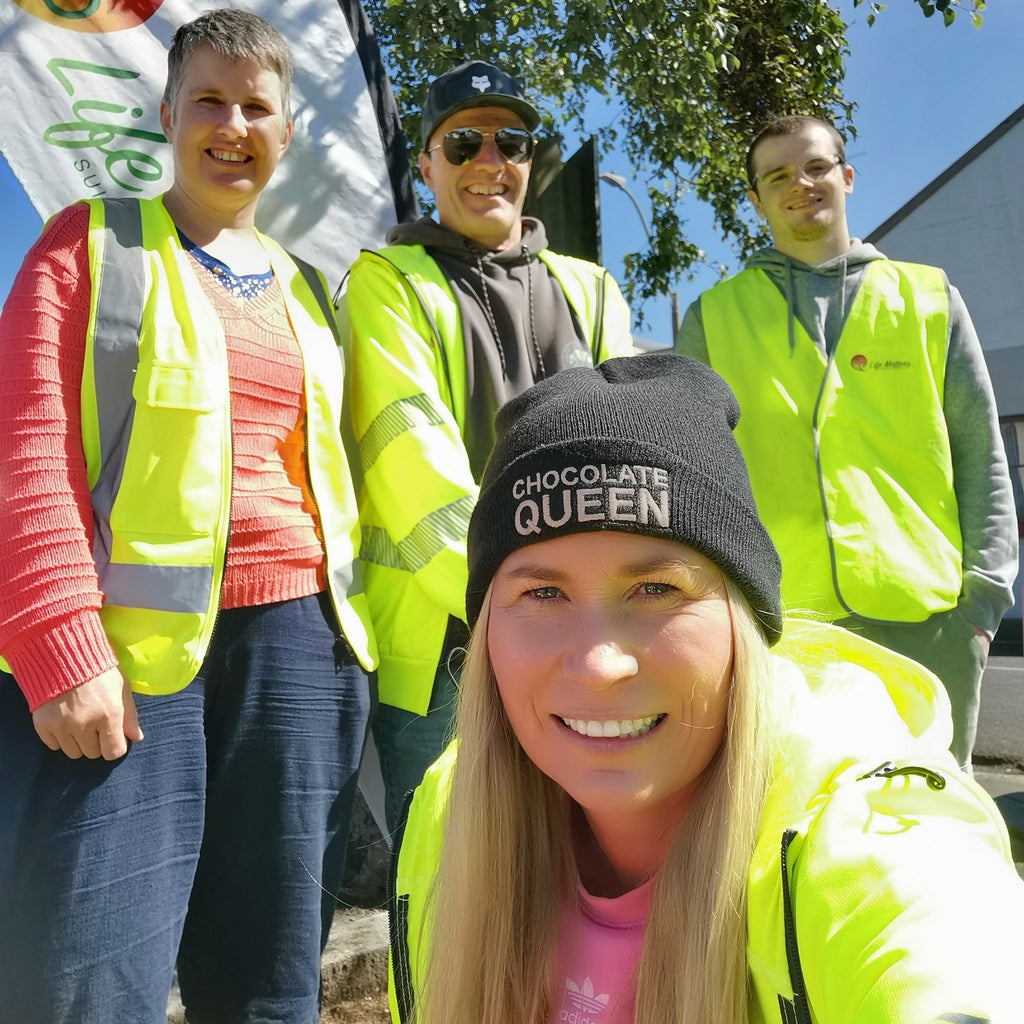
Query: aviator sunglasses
x=462, y=144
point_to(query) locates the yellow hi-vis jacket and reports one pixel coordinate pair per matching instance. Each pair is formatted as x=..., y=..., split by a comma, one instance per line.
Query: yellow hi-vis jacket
x=408, y=404
x=848, y=454
x=156, y=430
x=882, y=888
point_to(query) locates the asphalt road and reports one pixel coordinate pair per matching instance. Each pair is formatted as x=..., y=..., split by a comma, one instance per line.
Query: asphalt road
x=999, y=750
x=1000, y=740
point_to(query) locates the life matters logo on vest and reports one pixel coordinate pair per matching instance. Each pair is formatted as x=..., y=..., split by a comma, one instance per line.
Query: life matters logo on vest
x=862, y=363
x=92, y=15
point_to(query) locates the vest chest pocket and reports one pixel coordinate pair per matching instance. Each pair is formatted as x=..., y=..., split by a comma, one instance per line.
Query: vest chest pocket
x=175, y=481
x=188, y=388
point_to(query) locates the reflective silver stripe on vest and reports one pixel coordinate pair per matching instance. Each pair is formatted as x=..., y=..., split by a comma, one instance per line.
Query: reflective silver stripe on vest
x=441, y=528
x=120, y=300
x=323, y=300
x=394, y=420
x=348, y=579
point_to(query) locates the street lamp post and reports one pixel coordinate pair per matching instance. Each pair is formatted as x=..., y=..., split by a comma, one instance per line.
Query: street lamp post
x=620, y=183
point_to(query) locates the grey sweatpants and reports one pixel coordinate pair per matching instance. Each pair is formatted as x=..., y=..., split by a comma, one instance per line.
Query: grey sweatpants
x=947, y=644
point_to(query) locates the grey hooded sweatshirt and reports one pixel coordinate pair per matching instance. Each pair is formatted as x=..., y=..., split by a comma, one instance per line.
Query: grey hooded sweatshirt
x=820, y=297
x=517, y=325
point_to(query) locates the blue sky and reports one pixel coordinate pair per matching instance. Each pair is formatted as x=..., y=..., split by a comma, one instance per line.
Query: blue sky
x=926, y=94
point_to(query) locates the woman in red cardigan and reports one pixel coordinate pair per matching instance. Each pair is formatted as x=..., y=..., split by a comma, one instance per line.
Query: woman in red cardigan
x=188, y=648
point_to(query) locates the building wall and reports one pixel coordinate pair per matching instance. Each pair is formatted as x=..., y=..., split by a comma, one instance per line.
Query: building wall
x=970, y=222
x=973, y=227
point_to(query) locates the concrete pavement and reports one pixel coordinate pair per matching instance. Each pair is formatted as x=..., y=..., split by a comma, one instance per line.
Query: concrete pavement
x=354, y=968
x=1001, y=718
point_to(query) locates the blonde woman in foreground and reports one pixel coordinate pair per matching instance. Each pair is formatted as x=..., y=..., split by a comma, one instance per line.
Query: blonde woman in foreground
x=650, y=816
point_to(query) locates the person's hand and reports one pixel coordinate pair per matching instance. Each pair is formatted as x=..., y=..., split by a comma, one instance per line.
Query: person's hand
x=95, y=719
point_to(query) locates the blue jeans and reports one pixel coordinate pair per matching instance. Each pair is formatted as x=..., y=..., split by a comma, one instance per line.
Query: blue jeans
x=222, y=833
x=408, y=744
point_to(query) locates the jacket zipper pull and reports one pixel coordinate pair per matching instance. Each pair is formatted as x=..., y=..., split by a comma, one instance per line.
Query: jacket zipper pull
x=888, y=770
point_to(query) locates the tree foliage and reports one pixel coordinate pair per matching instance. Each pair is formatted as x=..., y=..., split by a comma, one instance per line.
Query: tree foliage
x=690, y=82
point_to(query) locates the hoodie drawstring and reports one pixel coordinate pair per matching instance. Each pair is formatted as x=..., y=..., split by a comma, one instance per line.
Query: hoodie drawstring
x=485, y=288
x=541, y=371
x=842, y=294
x=490, y=316
x=790, y=306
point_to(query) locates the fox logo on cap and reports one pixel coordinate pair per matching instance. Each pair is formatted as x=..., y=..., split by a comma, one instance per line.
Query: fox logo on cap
x=481, y=82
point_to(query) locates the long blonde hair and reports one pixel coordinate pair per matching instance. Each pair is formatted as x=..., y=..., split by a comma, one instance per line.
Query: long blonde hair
x=508, y=865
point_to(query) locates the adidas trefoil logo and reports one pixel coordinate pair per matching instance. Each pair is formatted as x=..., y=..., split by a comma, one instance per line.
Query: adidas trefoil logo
x=480, y=82
x=584, y=1000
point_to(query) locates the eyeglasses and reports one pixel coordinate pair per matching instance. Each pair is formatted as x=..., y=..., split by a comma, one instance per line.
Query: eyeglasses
x=783, y=177
x=463, y=144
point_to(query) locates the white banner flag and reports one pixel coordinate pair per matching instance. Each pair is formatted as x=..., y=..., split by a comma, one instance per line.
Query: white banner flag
x=80, y=87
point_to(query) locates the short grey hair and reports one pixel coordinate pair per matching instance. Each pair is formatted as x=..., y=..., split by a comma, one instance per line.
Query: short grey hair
x=240, y=35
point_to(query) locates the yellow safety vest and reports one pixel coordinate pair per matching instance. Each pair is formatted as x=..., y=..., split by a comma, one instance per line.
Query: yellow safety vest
x=409, y=621
x=156, y=431
x=848, y=454
x=583, y=283
x=867, y=827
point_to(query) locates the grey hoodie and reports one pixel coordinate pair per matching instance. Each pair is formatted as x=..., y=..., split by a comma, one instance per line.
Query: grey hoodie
x=517, y=325
x=820, y=297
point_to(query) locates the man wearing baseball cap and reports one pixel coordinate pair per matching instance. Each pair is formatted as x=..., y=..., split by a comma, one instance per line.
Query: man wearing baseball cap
x=450, y=320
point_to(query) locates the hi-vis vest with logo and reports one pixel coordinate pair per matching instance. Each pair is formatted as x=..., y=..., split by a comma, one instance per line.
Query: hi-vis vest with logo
x=156, y=431
x=849, y=455
x=410, y=622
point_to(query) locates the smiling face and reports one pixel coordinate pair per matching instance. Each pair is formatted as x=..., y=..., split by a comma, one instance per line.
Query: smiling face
x=482, y=199
x=613, y=658
x=228, y=130
x=807, y=217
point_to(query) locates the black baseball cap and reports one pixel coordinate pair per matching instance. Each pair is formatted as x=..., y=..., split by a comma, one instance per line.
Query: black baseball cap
x=474, y=84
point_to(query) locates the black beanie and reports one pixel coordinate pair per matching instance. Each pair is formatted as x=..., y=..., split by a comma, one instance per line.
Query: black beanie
x=641, y=444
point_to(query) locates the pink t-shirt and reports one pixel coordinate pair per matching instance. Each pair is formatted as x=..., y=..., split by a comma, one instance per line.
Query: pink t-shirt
x=599, y=944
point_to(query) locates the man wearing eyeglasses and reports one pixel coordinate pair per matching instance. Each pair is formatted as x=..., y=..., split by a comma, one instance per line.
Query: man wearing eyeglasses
x=450, y=320
x=868, y=423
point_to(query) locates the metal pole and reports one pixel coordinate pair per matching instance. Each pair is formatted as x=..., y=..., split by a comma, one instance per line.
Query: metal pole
x=620, y=183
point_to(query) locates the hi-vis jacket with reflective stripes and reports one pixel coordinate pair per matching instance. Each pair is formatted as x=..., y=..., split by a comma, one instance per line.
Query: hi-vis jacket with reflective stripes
x=409, y=411
x=882, y=888
x=848, y=453
x=156, y=430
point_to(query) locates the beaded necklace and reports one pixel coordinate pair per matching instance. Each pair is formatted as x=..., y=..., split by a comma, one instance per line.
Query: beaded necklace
x=242, y=286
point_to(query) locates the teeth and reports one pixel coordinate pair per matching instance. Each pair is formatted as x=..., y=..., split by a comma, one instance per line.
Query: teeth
x=628, y=728
x=487, y=190
x=230, y=155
